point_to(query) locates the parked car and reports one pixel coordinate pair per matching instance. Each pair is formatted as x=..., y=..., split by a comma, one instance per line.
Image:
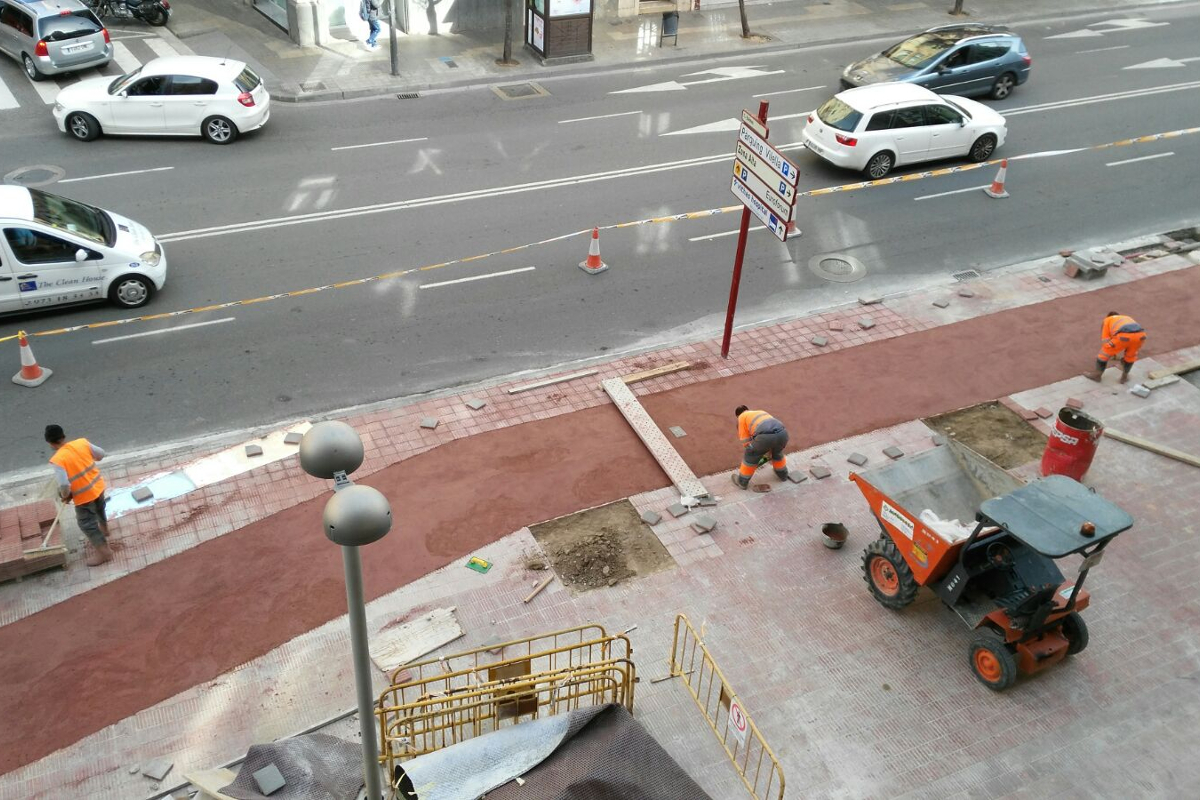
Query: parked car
x=876, y=128
x=952, y=59
x=50, y=37
x=216, y=98
x=55, y=251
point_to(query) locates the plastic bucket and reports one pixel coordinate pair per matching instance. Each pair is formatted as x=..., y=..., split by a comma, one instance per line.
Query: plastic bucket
x=1072, y=444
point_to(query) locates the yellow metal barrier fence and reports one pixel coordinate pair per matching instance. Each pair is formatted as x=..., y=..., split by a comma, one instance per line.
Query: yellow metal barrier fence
x=753, y=758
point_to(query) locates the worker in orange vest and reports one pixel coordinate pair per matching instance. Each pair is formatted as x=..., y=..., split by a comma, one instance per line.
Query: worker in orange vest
x=1119, y=334
x=762, y=437
x=79, y=481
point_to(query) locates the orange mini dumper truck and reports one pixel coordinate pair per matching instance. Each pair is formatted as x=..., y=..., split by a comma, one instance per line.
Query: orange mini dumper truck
x=998, y=573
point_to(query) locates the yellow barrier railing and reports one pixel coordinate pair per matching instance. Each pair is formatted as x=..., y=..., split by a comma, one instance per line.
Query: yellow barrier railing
x=753, y=758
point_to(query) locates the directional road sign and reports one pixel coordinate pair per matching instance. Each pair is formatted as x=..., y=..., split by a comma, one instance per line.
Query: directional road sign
x=775, y=224
x=775, y=159
x=754, y=124
x=771, y=197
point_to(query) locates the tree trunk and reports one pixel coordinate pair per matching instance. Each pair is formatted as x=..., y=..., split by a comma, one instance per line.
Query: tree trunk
x=745, y=23
x=508, y=16
x=958, y=12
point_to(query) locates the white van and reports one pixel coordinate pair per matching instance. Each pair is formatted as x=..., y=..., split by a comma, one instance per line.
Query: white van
x=55, y=251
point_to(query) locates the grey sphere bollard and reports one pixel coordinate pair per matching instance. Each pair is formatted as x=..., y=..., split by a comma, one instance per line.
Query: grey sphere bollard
x=329, y=448
x=356, y=516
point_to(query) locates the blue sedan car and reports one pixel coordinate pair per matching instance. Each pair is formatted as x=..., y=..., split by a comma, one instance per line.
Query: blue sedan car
x=953, y=59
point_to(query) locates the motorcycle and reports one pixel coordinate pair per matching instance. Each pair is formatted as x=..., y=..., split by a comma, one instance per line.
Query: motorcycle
x=152, y=12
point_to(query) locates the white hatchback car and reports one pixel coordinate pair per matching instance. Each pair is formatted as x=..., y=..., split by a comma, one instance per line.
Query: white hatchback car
x=878, y=127
x=175, y=96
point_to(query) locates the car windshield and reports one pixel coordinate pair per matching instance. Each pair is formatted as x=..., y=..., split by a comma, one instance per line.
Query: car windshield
x=69, y=26
x=71, y=215
x=837, y=114
x=919, y=51
x=960, y=109
x=120, y=83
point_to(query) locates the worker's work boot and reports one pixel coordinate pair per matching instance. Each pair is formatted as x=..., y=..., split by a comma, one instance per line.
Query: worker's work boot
x=781, y=474
x=740, y=482
x=1094, y=375
x=99, y=555
x=1125, y=368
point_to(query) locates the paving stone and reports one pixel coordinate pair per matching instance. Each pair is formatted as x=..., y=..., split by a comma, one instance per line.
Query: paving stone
x=939, y=440
x=1140, y=391
x=651, y=518
x=704, y=523
x=1044, y=412
x=293, y=438
x=942, y=303
x=1044, y=278
x=819, y=341
x=157, y=769
x=475, y=403
x=677, y=510
x=796, y=477
x=707, y=500
x=677, y=432
x=866, y=323
x=254, y=450
x=870, y=301
x=1027, y=415
x=965, y=293
x=1158, y=383
x=1074, y=403
x=857, y=459
x=837, y=325
x=893, y=452
x=142, y=494
x=819, y=472
x=269, y=779
x=429, y=423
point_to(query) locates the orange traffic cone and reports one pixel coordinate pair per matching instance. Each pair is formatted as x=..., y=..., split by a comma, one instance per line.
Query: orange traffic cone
x=594, y=265
x=31, y=374
x=997, y=188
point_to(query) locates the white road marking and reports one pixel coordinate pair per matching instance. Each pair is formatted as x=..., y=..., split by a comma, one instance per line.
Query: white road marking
x=1047, y=154
x=727, y=125
x=47, y=90
x=722, y=73
x=1135, y=160
x=786, y=91
x=161, y=48
x=476, y=278
x=1116, y=25
x=474, y=194
x=380, y=144
x=1101, y=49
x=1160, y=63
x=115, y=174
x=1102, y=98
x=126, y=60
x=6, y=97
x=602, y=116
x=955, y=191
x=165, y=330
x=724, y=233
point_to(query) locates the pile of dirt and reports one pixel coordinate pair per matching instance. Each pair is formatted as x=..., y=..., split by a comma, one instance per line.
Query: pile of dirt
x=994, y=431
x=601, y=546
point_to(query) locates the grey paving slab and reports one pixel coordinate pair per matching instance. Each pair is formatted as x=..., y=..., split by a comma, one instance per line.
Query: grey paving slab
x=942, y=303
x=796, y=476
x=677, y=510
x=651, y=518
x=819, y=472
x=866, y=323
x=254, y=450
x=819, y=341
x=893, y=452
x=678, y=432
x=142, y=494
x=857, y=459
x=704, y=522
x=475, y=403
x=269, y=779
x=429, y=423
x=157, y=769
x=293, y=438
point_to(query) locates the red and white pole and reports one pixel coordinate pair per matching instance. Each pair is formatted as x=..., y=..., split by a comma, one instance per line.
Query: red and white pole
x=737, y=260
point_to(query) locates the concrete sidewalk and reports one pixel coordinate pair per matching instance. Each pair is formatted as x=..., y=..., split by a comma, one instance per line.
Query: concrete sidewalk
x=346, y=69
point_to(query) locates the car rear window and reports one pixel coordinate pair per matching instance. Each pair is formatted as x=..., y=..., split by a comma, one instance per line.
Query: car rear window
x=247, y=81
x=836, y=114
x=69, y=26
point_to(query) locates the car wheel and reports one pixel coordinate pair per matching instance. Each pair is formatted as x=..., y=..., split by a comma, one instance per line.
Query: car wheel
x=1003, y=86
x=880, y=165
x=983, y=148
x=218, y=130
x=83, y=127
x=131, y=291
x=31, y=69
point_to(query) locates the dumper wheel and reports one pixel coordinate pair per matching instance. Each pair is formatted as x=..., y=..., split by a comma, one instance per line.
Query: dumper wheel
x=888, y=575
x=992, y=662
x=1075, y=632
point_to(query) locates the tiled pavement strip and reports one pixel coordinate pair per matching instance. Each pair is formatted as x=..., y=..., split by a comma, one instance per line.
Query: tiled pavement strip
x=797, y=672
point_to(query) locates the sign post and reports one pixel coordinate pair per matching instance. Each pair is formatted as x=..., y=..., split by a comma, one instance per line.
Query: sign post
x=765, y=182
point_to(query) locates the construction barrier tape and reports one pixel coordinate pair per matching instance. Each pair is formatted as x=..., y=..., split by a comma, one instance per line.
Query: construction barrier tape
x=712, y=212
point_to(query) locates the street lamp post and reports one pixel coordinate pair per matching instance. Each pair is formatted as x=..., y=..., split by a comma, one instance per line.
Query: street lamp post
x=353, y=517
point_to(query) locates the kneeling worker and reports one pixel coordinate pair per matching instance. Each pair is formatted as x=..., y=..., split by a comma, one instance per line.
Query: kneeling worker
x=1120, y=334
x=762, y=436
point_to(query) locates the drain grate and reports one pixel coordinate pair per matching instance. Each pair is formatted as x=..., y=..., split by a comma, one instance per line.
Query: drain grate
x=313, y=86
x=966, y=275
x=408, y=96
x=520, y=91
x=837, y=267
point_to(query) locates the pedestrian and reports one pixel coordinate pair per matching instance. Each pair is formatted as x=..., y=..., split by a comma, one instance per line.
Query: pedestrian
x=369, y=11
x=762, y=437
x=1119, y=335
x=79, y=481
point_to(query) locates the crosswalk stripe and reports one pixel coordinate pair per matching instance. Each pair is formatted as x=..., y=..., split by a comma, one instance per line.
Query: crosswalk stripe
x=126, y=60
x=161, y=48
x=6, y=97
x=48, y=90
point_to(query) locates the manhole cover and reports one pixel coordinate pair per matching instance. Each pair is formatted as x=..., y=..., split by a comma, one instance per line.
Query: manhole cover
x=837, y=268
x=518, y=91
x=36, y=175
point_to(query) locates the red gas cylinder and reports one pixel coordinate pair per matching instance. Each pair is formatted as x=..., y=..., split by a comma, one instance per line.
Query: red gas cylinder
x=1072, y=444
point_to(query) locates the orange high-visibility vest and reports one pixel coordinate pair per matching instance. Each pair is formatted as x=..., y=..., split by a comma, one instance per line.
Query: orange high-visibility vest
x=749, y=422
x=76, y=458
x=1113, y=325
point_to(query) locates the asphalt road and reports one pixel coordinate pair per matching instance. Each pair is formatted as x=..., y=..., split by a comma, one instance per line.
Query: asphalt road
x=317, y=198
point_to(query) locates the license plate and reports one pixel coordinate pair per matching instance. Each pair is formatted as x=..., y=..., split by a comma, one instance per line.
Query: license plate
x=77, y=48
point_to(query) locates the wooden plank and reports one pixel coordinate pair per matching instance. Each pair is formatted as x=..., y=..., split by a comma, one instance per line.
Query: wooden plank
x=551, y=381
x=1187, y=366
x=538, y=589
x=210, y=782
x=667, y=456
x=395, y=647
x=1145, y=444
x=647, y=374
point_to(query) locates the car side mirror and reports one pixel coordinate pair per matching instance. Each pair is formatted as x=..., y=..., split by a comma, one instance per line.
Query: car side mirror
x=962, y=122
x=942, y=69
x=81, y=255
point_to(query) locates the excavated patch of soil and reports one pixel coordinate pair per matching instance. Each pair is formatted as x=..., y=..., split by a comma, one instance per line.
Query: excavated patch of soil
x=994, y=431
x=601, y=547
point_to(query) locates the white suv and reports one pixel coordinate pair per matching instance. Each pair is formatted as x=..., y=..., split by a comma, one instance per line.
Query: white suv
x=878, y=127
